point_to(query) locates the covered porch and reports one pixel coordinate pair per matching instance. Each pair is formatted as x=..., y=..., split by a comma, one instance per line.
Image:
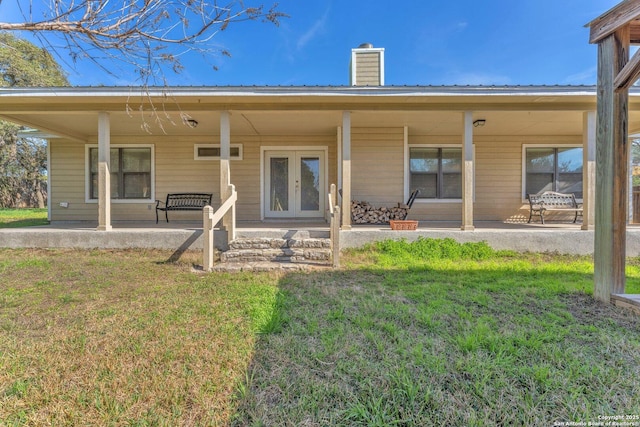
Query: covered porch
x=374, y=143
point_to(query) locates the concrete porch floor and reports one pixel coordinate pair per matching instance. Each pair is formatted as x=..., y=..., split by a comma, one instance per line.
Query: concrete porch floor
x=565, y=238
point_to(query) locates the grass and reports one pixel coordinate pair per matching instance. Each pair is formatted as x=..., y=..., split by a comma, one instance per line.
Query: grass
x=429, y=333
x=14, y=218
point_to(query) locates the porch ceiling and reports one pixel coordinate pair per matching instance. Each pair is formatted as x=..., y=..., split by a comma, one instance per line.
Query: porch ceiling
x=83, y=126
x=507, y=111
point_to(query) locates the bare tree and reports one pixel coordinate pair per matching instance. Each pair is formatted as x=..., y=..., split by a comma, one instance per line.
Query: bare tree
x=150, y=35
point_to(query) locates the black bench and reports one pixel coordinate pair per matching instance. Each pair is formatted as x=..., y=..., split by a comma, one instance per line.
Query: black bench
x=182, y=202
x=551, y=201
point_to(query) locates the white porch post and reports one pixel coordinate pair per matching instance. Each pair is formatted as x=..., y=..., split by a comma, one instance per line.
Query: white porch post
x=229, y=220
x=346, y=170
x=104, y=172
x=588, y=169
x=467, y=173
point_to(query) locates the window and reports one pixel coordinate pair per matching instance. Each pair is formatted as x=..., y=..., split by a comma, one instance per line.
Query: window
x=553, y=169
x=436, y=172
x=212, y=151
x=131, y=173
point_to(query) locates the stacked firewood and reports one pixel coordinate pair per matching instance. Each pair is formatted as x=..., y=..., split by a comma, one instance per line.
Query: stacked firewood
x=364, y=213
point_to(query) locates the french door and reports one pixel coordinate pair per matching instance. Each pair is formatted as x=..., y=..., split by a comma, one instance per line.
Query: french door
x=294, y=184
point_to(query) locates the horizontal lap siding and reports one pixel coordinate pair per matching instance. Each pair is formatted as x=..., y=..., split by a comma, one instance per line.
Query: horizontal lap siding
x=377, y=174
x=68, y=182
x=176, y=171
x=246, y=176
x=368, y=69
x=498, y=181
x=377, y=165
x=426, y=210
x=498, y=185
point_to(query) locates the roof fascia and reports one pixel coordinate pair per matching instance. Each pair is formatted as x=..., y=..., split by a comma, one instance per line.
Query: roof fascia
x=267, y=91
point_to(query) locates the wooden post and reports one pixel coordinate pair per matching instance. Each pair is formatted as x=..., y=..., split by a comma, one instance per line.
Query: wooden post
x=611, y=168
x=346, y=170
x=588, y=169
x=104, y=172
x=208, y=241
x=225, y=171
x=467, y=172
x=334, y=230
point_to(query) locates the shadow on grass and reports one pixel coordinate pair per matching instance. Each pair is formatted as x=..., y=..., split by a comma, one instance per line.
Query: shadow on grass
x=20, y=223
x=474, y=344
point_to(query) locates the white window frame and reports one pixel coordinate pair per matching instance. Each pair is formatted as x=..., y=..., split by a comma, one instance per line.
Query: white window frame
x=87, y=173
x=523, y=165
x=196, y=156
x=407, y=171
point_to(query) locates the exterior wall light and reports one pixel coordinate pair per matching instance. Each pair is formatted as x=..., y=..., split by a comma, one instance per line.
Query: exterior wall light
x=479, y=123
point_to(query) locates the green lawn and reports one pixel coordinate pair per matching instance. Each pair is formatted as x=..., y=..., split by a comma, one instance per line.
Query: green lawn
x=432, y=333
x=13, y=218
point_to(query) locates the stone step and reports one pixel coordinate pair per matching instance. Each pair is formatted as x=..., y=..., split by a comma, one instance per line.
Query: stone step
x=277, y=255
x=277, y=243
x=257, y=250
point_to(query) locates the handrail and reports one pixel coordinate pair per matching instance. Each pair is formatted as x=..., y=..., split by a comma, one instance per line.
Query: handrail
x=334, y=229
x=210, y=219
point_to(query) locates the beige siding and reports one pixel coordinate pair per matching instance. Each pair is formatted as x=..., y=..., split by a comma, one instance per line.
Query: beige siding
x=368, y=69
x=377, y=165
x=498, y=179
x=378, y=174
x=435, y=210
x=175, y=171
x=499, y=176
x=67, y=170
x=246, y=174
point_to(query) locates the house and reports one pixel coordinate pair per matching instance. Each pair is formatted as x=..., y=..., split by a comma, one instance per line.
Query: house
x=473, y=151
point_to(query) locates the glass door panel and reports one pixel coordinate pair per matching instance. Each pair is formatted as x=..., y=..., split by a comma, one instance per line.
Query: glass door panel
x=278, y=185
x=294, y=184
x=309, y=184
x=279, y=192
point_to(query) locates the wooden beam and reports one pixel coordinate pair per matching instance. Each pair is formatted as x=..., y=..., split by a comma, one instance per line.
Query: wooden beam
x=613, y=20
x=629, y=74
x=611, y=169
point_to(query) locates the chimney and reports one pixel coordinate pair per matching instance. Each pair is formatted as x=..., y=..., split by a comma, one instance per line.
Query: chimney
x=367, y=66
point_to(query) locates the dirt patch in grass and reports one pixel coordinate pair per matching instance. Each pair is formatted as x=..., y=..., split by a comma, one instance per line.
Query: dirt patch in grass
x=585, y=309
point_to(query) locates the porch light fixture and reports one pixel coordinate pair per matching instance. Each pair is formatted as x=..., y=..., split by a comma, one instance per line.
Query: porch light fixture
x=192, y=123
x=479, y=123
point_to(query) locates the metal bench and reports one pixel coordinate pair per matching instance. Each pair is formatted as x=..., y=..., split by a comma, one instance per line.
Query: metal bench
x=182, y=202
x=551, y=201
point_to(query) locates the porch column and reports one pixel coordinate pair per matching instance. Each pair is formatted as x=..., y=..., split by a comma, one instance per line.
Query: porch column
x=467, y=173
x=225, y=171
x=104, y=172
x=588, y=169
x=346, y=170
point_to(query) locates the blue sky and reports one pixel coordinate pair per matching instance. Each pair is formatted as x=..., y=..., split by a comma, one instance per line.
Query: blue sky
x=494, y=42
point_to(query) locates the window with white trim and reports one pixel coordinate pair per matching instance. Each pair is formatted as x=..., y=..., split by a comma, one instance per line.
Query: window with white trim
x=436, y=172
x=212, y=151
x=553, y=169
x=131, y=170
